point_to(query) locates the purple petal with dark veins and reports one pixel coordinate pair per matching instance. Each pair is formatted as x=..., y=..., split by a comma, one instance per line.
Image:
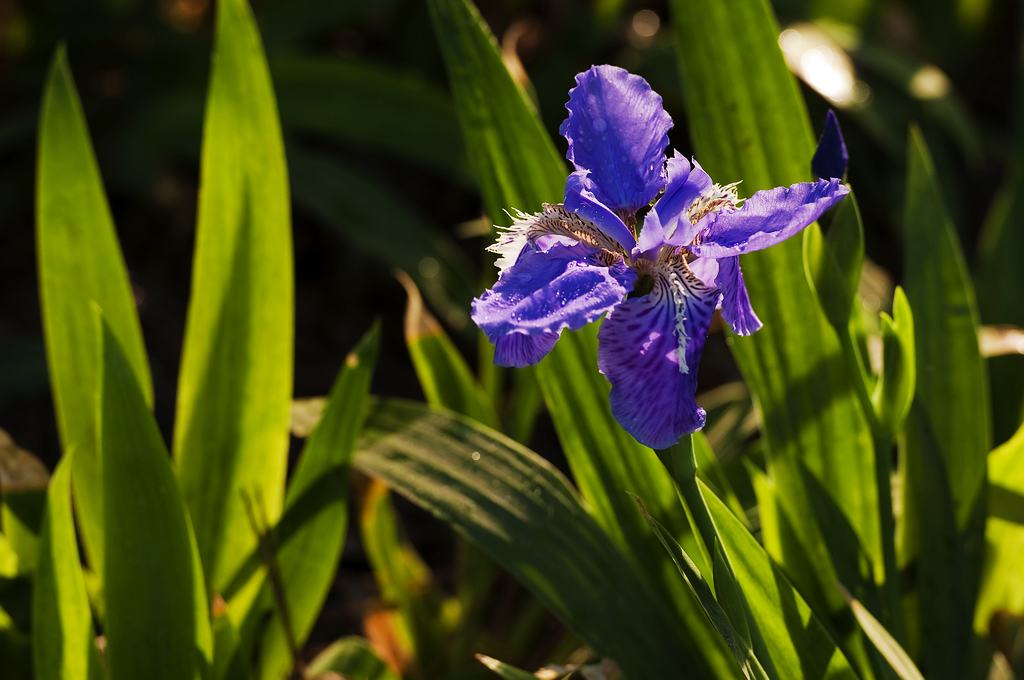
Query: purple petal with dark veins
x=727, y=277
x=767, y=217
x=653, y=387
x=516, y=350
x=580, y=199
x=546, y=291
x=617, y=129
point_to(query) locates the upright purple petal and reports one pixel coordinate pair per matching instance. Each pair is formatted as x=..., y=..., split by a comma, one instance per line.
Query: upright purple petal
x=545, y=291
x=580, y=199
x=830, y=158
x=766, y=218
x=618, y=130
x=649, y=349
x=727, y=277
x=668, y=222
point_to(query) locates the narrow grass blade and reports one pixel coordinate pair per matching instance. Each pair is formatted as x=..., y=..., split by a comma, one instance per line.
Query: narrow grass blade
x=504, y=670
x=523, y=513
x=444, y=375
x=63, y=646
x=311, y=534
x=234, y=390
x=79, y=261
x=748, y=122
x=157, y=621
x=947, y=432
x=894, y=654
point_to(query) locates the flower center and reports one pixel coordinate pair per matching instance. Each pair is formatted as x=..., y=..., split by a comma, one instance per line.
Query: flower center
x=717, y=199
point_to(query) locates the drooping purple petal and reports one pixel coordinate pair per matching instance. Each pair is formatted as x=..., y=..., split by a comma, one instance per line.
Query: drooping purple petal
x=830, y=158
x=649, y=349
x=727, y=277
x=516, y=350
x=580, y=199
x=766, y=218
x=617, y=129
x=668, y=222
x=545, y=291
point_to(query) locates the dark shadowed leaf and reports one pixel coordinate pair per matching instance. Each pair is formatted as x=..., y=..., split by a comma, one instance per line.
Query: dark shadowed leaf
x=523, y=513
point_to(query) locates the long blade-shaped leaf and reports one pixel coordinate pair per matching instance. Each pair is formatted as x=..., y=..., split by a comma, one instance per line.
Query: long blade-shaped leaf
x=1002, y=586
x=523, y=513
x=79, y=261
x=517, y=166
x=315, y=506
x=749, y=123
x=234, y=390
x=157, y=624
x=793, y=639
x=62, y=635
x=947, y=432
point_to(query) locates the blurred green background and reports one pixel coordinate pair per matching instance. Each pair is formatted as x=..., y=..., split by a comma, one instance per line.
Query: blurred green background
x=380, y=182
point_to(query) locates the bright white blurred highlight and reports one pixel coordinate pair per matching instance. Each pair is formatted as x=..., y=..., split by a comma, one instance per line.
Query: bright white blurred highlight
x=821, y=63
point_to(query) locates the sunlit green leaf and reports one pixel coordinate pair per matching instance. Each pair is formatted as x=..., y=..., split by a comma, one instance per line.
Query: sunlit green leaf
x=157, y=621
x=523, y=513
x=309, y=538
x=894, y=654
x=1002, y=587
x=62, y=634
x=748, y=122
x=947, y=432
x=234, y=391
x=79, y=261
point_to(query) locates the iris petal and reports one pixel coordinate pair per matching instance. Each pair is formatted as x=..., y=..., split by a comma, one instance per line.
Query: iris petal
x=617, y=129
x=649, y=349
x=547, y=290
x=767, y=217
x=727, y=277
x=668, y=222
x=581, y=199
x=519, y=349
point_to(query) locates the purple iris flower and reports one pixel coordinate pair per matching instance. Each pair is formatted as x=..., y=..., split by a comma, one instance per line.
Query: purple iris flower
x=570, y=264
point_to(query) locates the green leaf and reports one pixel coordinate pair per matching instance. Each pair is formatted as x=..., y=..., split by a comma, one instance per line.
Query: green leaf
x=947, y=432
x=504, y=670
x=512, y=157
x=833, y=262
x=1002, y=587
x=311, y=534
x=157, y=622
x=894, y=391
x=524, y=514
x=63, y=646
x=350, y=657
x=795, y=642
x=517, y=166
x=445, y=377
x=79, y=261
x=234, y=390
x=748, y=122
x=737, y=639
x=894, y=654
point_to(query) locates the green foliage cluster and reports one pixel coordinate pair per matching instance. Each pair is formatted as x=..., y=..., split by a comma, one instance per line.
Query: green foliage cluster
x=872, y=534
